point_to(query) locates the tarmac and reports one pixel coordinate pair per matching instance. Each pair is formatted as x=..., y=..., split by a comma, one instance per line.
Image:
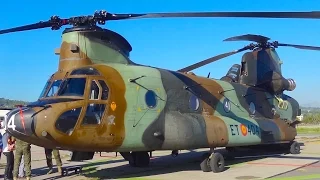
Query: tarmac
x=186, y=165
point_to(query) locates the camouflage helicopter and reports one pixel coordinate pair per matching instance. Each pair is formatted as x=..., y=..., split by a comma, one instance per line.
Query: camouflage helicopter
x=100, y=100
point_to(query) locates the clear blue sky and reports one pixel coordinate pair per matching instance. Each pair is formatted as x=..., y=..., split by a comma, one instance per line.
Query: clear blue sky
x=27, y=58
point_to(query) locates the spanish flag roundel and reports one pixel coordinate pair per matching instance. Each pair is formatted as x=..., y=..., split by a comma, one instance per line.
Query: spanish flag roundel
x=243, y=129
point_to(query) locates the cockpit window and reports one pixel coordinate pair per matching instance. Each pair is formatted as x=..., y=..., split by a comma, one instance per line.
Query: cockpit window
x=68, y=120
x=94, y=114
x=94, y=90
x=54, y=88
x=46, y=86
x=72, y=87
x=105, y=90
x=85, y=71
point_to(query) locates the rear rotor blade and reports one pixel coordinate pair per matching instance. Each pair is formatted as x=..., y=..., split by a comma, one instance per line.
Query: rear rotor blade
x=212, y=59
x=304, y=15
x=249, y=37
x=300, y=46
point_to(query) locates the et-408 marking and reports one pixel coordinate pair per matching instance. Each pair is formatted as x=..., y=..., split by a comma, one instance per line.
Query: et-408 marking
x=244, y=130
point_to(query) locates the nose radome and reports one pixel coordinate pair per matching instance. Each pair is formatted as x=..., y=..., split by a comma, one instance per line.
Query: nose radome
x=21, y=121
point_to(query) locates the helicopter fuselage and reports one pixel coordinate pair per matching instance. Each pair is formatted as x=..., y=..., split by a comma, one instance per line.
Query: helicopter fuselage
x=118, y=107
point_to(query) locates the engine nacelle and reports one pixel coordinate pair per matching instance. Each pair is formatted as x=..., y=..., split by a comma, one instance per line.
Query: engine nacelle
x=276, y=83
x=290, y=85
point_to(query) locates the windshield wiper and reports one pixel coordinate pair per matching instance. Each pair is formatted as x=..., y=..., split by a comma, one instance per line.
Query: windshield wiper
x=44, y=108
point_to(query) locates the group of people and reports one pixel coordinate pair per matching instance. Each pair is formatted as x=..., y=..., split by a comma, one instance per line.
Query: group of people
x=19, y=163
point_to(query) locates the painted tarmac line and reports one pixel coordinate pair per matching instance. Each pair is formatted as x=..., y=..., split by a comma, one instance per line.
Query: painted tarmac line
x=297, y=168
x=304, y=177
x=279, y=164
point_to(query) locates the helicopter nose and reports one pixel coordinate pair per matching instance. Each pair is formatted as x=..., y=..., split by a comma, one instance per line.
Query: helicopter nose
x=20, y=122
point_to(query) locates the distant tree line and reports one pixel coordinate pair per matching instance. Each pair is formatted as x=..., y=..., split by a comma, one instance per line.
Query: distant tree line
x=311, y=115
x=311, y=118
x=8, y=103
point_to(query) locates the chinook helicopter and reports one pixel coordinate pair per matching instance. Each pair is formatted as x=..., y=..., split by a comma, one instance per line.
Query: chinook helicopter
x=100, y=100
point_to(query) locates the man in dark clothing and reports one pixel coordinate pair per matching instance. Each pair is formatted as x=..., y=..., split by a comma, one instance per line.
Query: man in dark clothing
x=22, y=148
x=56, y=155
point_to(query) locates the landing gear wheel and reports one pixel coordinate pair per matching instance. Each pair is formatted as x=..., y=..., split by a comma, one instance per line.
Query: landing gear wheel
x=139, y=159
x=205, y=163
x=217, y=163
x=295, y=148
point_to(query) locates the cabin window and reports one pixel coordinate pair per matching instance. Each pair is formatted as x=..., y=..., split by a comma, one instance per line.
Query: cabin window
x=85, y=71
x=94, y=91
x=94, y=114
x=151, y=99
x=67, y=121
x=105, y=90
x=72, y=87
x=194, y=102
x=252, y=108
x=226, y=105
x=54, y=88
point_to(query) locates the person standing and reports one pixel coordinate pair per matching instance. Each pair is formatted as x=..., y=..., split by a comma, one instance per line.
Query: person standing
x=9, y=145
x=21, y=168
x=56, y=155
x=1, y=145
x=22, y=149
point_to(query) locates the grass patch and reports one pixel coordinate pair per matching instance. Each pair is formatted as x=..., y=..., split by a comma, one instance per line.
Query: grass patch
x=308, y=130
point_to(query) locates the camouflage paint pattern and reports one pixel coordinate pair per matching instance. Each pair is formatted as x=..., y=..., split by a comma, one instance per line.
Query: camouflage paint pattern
x=191, y=112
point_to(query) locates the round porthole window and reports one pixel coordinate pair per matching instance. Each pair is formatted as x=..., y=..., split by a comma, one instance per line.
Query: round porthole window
x=252, y=108
x=194, y=102
x=226, y=105
x=151, y=99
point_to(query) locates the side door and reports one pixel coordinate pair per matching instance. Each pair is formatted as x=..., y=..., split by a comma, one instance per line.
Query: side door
x=92, y=128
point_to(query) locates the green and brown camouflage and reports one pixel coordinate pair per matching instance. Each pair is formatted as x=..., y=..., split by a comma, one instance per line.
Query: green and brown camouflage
x=100, y=100
x=22, y=150
x=143, y=108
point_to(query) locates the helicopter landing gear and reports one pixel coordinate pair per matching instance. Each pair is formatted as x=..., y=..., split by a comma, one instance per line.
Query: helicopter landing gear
x=174, y=153
x=137, y=159
x=295, y=148
x=215, y=163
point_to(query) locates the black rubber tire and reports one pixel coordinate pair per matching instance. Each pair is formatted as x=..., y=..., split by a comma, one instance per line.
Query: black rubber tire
x=217, y=163
x=295, y=148
x=205, y=165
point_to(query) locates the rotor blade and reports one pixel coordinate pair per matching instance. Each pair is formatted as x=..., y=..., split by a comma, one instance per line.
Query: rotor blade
x=249, y=37
x=300, y=46
x=55, y=23
x=303, y=15
x=212, y=59
x=27, y=27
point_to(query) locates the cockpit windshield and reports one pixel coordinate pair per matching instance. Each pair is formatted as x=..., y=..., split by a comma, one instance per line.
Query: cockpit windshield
x=54, y=88
x=72, y=87
x=44, y=90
